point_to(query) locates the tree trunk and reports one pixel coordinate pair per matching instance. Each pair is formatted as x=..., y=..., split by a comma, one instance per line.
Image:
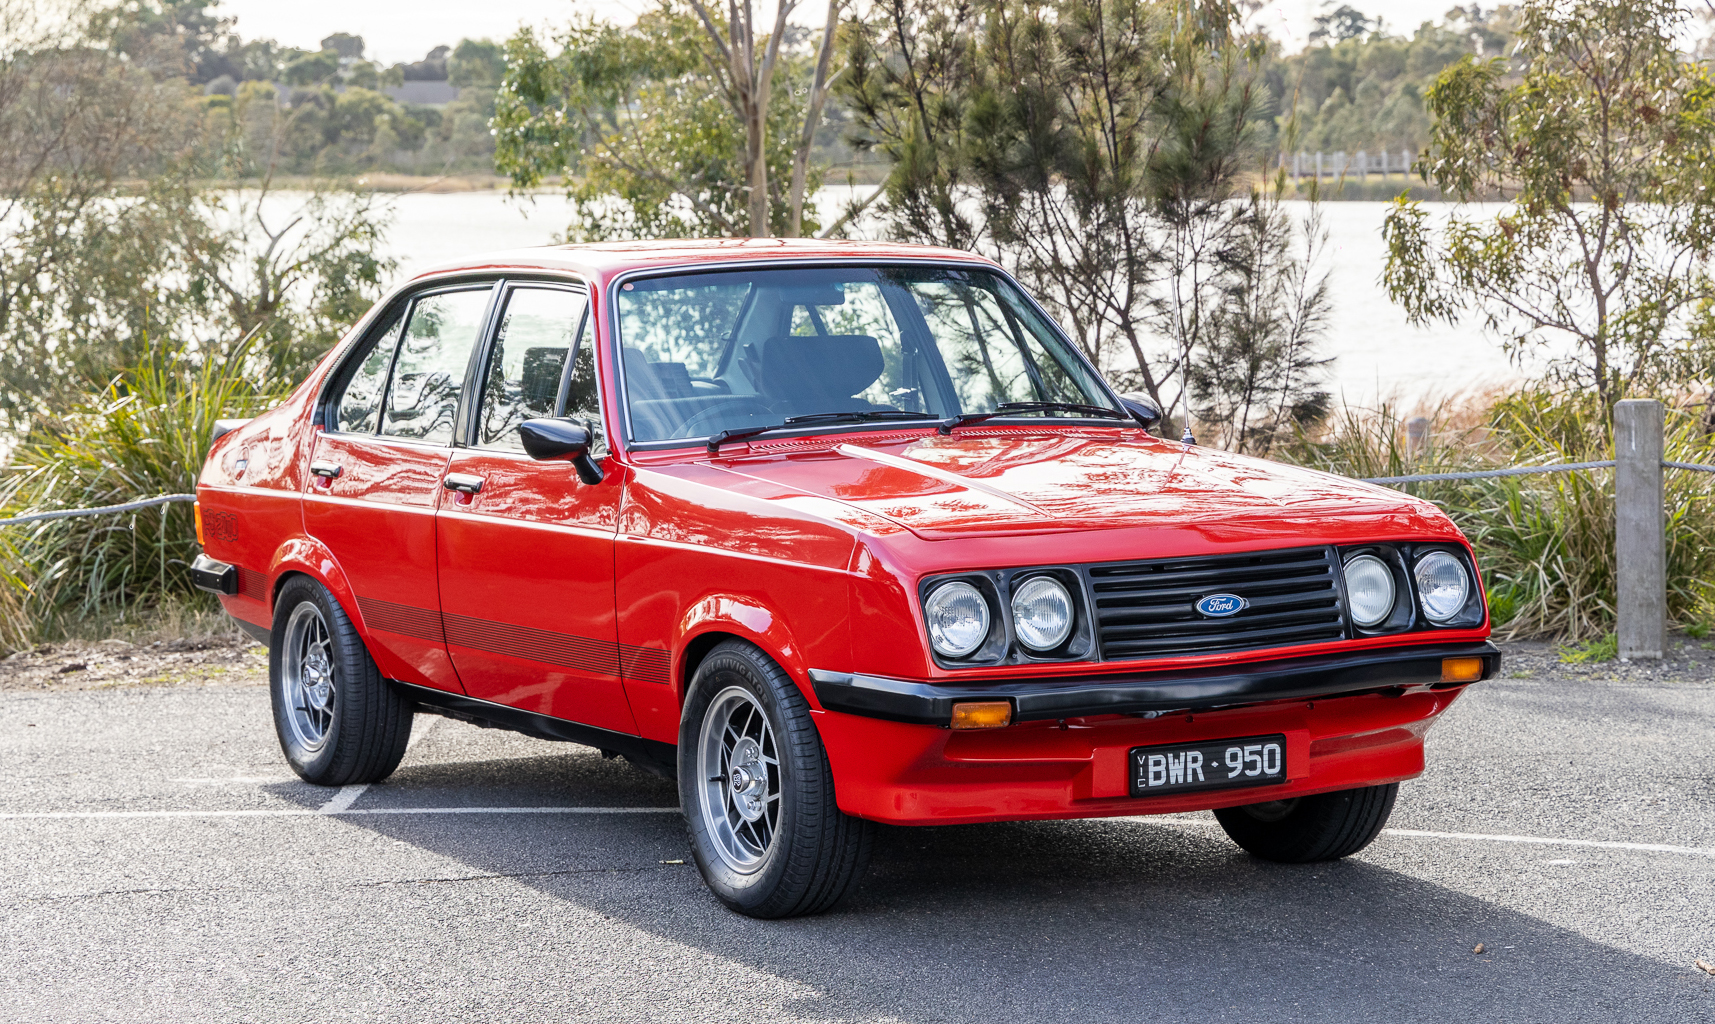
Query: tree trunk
x=812, y=120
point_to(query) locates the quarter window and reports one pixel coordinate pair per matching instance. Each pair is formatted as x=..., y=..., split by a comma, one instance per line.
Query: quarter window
x=527, y=362
x=428, y=375
x=360, y=404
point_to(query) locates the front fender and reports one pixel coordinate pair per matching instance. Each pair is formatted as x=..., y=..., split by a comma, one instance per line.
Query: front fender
x=744, y=617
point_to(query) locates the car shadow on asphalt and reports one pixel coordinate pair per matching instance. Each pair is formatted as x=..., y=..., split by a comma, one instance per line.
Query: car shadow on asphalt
x=1116, y=919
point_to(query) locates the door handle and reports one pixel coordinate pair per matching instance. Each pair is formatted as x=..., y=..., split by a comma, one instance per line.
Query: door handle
x=325, y=470
x=464, y=483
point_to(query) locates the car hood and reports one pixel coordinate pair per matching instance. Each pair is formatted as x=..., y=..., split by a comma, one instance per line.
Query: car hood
x=1009, y=482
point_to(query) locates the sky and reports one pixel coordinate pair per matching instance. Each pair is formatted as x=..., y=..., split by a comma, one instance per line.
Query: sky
x=405, y=30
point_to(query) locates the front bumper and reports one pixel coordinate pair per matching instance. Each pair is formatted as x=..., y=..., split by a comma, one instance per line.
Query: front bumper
x=1350, y=720
x=1331, y=675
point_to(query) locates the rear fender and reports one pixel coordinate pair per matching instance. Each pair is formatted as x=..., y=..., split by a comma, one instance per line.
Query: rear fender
x=312, y=558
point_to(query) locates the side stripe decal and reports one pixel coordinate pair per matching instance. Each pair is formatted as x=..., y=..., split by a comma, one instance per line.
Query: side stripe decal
x=645, y=664
x=252, y=584
x=404, y=619
x=562, y=649
x=601, y=657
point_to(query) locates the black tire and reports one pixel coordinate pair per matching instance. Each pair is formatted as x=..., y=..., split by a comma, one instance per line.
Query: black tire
x=362, y=723
x=1310, y=828
x=813, y=855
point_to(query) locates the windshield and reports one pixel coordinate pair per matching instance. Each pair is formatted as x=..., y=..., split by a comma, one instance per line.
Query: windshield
x=739, y=350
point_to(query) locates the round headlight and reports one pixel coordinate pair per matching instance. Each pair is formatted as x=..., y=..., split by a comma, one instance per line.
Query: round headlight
x=1042, y=613
x=1442, y=585
x=958, y=619
x=1369, y=590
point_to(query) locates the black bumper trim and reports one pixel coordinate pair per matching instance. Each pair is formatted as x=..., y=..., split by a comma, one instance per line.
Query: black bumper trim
x=653, y=755
x=214, y=577
x=261, y=634
x=1328, y=675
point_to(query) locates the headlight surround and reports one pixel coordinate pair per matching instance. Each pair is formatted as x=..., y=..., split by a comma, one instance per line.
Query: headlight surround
x=958, y=617
x=1042, y=613
x=1370, y=592
x=1443, y=585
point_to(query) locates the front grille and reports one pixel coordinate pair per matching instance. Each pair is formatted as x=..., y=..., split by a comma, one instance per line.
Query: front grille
x=1146, y=609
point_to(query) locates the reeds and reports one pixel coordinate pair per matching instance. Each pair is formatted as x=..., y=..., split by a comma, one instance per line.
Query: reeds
x=142, y=436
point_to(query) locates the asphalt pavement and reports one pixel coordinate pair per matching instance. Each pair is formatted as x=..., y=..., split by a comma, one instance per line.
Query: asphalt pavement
x=1566, y=823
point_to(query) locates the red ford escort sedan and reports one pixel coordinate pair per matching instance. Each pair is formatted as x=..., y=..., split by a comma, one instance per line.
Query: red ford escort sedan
x=832, y=533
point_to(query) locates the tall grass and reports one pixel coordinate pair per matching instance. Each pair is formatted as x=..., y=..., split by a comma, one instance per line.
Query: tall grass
x=1546, y=541
x=145, y=434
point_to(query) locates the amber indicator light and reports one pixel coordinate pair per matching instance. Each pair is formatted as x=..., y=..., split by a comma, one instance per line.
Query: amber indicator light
x=196, y=508
x=988, y=714
x=1461, y=670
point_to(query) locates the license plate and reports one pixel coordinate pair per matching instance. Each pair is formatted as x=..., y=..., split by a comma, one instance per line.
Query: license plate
x=1212, y=764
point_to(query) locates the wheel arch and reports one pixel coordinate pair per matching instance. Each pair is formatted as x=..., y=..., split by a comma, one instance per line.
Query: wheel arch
x=306, y=556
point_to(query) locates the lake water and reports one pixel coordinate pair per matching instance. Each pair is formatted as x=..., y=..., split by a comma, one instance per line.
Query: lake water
x=1377, y=354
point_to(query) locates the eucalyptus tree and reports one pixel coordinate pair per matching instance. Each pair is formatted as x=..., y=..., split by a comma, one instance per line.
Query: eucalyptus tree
x=689, y=122
x=1603, y=145
x=1100, y=149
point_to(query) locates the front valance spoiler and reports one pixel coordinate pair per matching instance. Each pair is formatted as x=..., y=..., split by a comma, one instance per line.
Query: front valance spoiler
x=1323, y=675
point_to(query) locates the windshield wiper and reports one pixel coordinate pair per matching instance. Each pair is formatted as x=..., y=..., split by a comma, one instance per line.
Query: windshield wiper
x=863, y=416
x=1008, y=408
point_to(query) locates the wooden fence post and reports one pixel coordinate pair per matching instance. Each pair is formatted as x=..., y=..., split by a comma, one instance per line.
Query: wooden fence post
x=1640, y=538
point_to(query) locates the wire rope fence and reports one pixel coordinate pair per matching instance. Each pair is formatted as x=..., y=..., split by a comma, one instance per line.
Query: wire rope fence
x=1640, y=528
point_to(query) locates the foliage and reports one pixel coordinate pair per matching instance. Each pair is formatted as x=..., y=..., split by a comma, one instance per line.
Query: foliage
x=1605, y=145
x=1545, y=541
x=1359, y=87
x=1603, y=648
x=143, y=435
x=651, y=126
x=1096, y=148
x=1258, y=377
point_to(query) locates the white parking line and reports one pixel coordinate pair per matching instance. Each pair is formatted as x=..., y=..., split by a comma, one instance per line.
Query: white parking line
x=322, y=813
x=1484, y=837
x=1599, y=844
x=346, y=812
x=347, y=795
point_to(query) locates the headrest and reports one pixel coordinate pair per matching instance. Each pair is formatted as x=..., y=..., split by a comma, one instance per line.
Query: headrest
x=646, y=380
x=540, y=378
x=819, y=366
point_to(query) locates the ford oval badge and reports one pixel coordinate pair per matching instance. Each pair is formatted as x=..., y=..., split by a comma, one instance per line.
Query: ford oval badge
x=1219, y=606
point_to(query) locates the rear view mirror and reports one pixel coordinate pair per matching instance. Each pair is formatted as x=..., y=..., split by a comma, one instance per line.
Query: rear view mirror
x=561, y=439
x=1142, y=408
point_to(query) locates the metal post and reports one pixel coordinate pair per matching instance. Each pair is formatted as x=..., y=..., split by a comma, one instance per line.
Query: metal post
x=1640, y=535
x=1318, y=165
x=1363, y=167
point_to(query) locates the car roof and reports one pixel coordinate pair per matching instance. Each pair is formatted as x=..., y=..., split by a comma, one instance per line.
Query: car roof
x=603, y=260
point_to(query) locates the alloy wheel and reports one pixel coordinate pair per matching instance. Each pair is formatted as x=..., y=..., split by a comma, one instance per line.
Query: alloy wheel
x=739, y=766
x=308, y=677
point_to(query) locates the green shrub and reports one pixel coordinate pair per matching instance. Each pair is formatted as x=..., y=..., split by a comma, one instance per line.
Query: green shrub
x=142, y=436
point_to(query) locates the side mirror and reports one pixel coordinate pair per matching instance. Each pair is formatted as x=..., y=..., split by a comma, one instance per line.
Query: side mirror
x=561, y=440
x=1142, y=409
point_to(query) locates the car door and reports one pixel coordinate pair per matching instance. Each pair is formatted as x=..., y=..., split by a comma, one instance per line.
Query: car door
x=378, y=469
x=525, y=547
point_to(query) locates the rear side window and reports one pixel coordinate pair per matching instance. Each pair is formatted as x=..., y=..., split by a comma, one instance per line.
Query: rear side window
x=538, y=329
x=360, y=405
x=428, y=375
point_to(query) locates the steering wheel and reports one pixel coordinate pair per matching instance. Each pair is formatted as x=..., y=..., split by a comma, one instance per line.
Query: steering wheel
x=714, y=418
